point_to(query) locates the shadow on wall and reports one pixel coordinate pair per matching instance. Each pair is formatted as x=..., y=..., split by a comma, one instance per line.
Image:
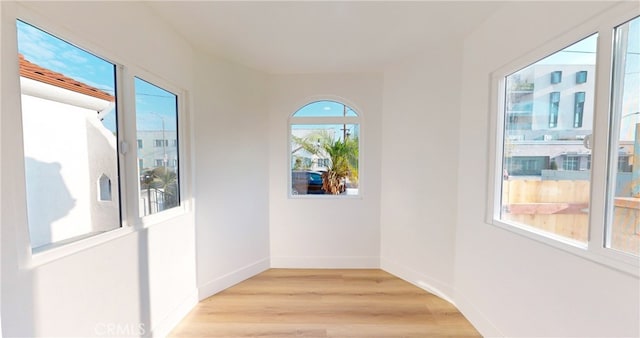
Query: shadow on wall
x=48, y=199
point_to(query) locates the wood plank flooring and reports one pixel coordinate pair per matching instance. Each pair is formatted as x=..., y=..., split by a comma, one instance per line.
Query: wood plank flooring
x=324, y=303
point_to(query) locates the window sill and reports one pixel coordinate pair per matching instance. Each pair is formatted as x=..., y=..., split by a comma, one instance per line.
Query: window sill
x=42, y=256
x=610, y=258
x=347, y=196
x=160, y=217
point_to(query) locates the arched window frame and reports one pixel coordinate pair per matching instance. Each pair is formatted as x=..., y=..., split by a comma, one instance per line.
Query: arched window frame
x=352, y=121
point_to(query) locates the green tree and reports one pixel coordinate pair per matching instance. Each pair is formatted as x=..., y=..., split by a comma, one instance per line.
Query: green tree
x=344, y=163
x=164, y=180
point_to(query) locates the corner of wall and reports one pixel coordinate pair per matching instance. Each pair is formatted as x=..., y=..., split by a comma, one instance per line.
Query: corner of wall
x=221, y=283
x=418, y=279
x=478, y=319
x=167, y=324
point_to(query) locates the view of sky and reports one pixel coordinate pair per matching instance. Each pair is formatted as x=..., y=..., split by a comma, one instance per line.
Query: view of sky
x=325, y=109
x=630, y=85
x=153, y=104
x=59, y=56
x=582, y=52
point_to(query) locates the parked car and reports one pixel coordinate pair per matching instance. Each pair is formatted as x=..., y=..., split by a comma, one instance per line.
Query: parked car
x=306, y=182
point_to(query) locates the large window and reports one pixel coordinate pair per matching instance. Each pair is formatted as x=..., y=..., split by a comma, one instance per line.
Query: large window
x=544, y=190
x=70, y=132
x=324, y=143
x=157, y=119
x=555, y=204
x=623, y=205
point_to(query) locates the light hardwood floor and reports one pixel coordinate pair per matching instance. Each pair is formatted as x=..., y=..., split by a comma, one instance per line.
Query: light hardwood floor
x=324, y=303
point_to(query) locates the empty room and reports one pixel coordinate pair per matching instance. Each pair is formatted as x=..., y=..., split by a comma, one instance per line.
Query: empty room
x=320, y=169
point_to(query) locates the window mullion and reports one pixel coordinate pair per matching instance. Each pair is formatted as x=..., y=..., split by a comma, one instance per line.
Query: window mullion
x=599, y=142
x=128, y=142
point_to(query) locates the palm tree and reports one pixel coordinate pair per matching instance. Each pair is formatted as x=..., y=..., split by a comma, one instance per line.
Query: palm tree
x=343, y=156
x=313, y=143
x=164, y=180
x=344, y=163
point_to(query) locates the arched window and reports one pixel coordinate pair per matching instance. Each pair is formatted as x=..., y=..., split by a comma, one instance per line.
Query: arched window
x=104, y=188
x=324, y=143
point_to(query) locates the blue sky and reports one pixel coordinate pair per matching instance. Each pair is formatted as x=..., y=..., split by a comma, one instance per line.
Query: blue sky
x=582, y=52
x=324, y=109
x=153, y=104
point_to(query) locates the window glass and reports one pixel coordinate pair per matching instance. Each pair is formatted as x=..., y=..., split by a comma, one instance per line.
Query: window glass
x=581, y=77
x=546, y=180
x=325, y=109
x=623, y=231
x=157, y=123
x=578, y=109
x=324, y=153
x=70, y=139
x=554, y=107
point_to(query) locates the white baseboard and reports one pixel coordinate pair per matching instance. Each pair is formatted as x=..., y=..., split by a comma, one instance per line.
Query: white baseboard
x=318, y=262
x=446, y=292
x=477, y=318
x=164, y=327
x=232, y=278
x=420, y=280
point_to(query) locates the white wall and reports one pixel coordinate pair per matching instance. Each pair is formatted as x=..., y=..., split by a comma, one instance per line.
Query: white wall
x=140, y=277
x=66, y=151
x=231, y=150
x=419, y=161
x=325, y=231
x=507, y=284
x=421, y=220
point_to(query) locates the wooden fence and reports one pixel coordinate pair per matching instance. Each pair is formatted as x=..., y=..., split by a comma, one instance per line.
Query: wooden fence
x=561, y=207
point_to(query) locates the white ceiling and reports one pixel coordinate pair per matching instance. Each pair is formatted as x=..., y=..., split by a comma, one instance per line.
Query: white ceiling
x=312, y=37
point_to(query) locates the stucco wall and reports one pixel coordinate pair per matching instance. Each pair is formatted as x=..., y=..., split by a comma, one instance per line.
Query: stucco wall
x=325, y=231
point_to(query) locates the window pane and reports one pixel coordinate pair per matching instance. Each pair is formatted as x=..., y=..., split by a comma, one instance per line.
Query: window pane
x=546, y=164
x=157, y=123
x=556, y=77
x=578, y=109
x=70, y=132
x=325, y=109
x=324, y=157
x=581, y=77
x=623, y=232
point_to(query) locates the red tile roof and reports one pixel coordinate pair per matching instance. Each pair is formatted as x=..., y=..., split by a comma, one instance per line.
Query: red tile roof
x=37, y=73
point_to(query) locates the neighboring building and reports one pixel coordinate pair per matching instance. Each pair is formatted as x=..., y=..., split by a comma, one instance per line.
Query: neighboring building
x=68, y=152
x=157, y=148
x=549, y=113
x=303, y=159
